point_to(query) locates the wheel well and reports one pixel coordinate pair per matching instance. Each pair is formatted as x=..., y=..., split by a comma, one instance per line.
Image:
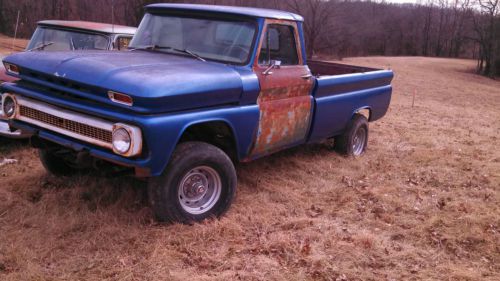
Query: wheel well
x=216, y=133
x=366, y=112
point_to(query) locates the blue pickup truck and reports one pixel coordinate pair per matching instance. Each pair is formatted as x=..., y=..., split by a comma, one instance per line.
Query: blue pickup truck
x=202, y=88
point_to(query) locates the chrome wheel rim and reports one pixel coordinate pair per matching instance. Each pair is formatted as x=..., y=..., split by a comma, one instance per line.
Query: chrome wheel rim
x=199, y=190
x=358, y=143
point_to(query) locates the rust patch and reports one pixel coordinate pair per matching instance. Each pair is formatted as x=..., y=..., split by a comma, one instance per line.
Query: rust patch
x=282, y=122
x=283, y=93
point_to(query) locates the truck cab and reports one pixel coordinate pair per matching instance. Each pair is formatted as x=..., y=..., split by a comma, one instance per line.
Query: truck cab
x=201, y=89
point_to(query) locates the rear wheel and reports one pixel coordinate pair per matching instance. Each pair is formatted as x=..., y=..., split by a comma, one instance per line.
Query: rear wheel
x=198, y=183
x=355, y=139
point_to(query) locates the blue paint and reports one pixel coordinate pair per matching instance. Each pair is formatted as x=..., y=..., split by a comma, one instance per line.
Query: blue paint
x=333, y=113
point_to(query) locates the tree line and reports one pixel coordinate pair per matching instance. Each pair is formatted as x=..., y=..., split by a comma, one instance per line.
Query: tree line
x=336, y=28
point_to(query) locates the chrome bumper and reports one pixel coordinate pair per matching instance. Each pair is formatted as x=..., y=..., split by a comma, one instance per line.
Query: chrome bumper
x=6, y=132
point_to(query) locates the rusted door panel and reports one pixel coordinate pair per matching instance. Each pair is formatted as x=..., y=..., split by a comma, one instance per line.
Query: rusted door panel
x=282, y=122
x=285, y=104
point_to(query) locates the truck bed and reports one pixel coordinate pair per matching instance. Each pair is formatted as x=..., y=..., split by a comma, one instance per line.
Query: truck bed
x=323, y=68
x=341, y=90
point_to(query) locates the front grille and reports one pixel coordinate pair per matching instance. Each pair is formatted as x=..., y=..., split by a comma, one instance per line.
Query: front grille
x=69, y=125
x=54, y=80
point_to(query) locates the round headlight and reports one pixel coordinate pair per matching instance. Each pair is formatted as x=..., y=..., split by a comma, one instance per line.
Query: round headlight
x=9, y=107
x=121, y=140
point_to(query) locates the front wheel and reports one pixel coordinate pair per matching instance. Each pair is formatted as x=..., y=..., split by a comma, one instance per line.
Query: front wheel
x=198, y=183
x=355, y=139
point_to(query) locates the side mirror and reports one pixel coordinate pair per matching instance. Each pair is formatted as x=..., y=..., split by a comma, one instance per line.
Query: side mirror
x=275, y=64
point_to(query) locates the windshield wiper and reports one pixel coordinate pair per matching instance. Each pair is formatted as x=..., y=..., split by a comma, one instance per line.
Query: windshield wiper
x=153, y=47
x=40, y=46
x=186, y=51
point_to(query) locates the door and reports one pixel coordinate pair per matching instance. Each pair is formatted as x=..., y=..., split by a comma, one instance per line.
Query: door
x=285, y=100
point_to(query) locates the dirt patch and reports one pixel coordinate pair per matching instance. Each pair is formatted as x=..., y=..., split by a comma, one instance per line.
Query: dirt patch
x=422, y=204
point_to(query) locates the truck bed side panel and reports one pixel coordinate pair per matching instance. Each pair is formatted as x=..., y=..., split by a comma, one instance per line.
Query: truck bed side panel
x=338, y=98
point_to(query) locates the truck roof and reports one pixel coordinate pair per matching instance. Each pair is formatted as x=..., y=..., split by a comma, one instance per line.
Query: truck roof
x=244, y=11
x=90, y=26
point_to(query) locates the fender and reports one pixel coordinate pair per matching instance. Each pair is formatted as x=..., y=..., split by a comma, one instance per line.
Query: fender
x=166, y=131
x=363, y=108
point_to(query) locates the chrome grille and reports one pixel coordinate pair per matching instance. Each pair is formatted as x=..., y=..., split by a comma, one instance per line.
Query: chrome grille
x=69, y=125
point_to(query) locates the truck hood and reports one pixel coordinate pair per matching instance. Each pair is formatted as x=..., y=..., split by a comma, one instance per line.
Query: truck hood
x=157, y=82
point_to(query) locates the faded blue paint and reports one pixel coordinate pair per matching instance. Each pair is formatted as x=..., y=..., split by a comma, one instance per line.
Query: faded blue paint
x=339, y=97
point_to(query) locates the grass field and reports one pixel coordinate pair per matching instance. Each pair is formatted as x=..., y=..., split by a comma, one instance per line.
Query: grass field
x=7, y=45
x=422, y=204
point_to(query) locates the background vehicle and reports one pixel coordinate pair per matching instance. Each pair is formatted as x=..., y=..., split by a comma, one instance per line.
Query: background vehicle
x=202, y=88
x=55, y=35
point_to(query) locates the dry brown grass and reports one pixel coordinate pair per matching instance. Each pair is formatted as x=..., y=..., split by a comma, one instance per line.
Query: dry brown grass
x=422, y=204
x=6, y=46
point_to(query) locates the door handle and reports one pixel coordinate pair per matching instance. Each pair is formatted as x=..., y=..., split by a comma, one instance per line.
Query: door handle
x=306, y=76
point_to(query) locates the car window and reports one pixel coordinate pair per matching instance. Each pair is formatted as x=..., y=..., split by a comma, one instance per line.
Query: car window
x=282, y=45
x=51, y=39
x=220, y=39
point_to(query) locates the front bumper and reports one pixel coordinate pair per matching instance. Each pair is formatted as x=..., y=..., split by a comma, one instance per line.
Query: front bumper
x=141, y=166
x=5, y=131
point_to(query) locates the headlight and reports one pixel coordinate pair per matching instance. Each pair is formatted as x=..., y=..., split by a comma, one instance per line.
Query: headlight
x=127, y=140
x=121, y=141
x=9, y=106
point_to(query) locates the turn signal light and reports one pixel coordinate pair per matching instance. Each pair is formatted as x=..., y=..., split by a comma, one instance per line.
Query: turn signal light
x=12, y=68
x=120, y=98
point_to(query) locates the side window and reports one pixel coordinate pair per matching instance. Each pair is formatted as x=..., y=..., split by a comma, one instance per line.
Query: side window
x=279, y=44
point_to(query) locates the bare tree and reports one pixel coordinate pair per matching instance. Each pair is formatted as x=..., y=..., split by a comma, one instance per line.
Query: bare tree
x=486, y=27
x=318, y=14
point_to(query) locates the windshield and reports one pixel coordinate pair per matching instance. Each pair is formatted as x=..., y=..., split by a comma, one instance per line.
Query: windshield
x=212, y=39
x=49, y=39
